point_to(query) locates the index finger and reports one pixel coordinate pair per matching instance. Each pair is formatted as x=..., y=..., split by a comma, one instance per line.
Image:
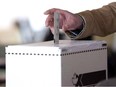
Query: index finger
x=50, y=11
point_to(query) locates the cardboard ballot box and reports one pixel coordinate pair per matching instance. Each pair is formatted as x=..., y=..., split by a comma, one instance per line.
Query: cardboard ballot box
x=68, y=64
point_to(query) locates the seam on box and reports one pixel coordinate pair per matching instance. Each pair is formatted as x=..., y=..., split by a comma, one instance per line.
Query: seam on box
x=63, y=54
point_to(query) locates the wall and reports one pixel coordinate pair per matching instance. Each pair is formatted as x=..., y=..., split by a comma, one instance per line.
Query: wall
x=34, y=9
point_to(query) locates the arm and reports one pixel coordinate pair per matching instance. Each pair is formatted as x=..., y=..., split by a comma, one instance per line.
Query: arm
x=100, y=22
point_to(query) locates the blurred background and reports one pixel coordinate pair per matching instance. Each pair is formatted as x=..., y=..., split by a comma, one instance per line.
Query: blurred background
x=23, y=21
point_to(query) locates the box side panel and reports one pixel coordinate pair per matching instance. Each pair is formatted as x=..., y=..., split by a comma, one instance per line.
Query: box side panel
x=84, y=67
x=32, y=70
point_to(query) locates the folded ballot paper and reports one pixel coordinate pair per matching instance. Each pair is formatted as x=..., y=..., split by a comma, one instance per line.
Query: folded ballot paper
x=67, y=64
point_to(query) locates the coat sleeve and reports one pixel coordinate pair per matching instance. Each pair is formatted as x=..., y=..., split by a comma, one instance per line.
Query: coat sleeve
x=100, y=22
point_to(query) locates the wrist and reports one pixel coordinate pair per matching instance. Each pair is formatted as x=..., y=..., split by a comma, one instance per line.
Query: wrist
x=75, y=32
x=81, y=21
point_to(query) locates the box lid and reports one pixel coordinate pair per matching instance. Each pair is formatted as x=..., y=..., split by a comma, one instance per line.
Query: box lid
x=64, y=46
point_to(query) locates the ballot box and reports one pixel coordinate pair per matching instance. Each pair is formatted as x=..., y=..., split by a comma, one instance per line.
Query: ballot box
x=67, y=64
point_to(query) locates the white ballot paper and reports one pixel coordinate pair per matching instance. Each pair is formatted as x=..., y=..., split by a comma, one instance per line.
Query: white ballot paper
x=70, y=64
x=56, y=28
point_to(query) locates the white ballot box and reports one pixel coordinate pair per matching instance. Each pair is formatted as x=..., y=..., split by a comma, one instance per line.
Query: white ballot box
x=68, y=64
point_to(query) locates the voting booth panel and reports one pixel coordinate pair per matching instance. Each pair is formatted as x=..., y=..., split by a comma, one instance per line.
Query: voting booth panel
x=67, y=64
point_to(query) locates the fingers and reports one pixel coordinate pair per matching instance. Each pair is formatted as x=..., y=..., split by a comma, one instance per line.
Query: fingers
x=63, y=18
x=49, y=20
x=52, y=30
x=50, y=11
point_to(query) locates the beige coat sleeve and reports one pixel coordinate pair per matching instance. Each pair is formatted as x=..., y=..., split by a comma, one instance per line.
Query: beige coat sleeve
x=100, y=22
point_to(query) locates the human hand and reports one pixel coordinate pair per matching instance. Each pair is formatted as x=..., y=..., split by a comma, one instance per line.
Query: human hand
x=68, y=20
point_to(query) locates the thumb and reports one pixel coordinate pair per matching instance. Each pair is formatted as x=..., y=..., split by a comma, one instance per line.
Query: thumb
x=65, y=27
x=51, y=29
